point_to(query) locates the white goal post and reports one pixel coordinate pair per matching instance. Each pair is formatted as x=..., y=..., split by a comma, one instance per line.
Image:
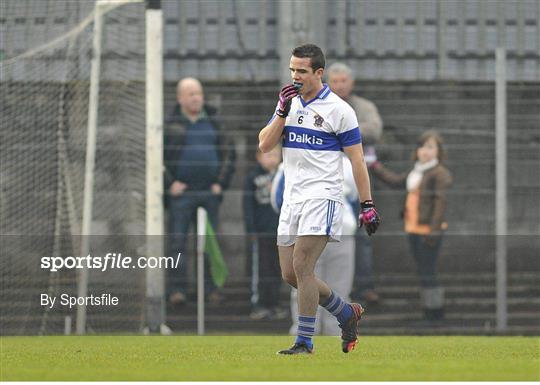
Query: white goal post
x=155, y=306
x=155, y=296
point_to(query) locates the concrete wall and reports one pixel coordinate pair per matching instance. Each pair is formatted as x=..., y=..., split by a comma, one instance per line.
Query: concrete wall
x=245, y=39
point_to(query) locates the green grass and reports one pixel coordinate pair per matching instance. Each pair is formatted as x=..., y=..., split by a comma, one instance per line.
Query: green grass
x=182, y=358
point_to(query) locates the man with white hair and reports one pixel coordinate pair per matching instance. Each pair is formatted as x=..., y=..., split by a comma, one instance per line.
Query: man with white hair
x=341, y=81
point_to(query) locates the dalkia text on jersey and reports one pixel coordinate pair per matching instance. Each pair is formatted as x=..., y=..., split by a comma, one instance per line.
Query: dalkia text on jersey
x=304, y=138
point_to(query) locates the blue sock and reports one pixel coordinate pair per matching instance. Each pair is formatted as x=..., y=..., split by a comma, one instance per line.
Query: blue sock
x=338, y=307
x=306, y=329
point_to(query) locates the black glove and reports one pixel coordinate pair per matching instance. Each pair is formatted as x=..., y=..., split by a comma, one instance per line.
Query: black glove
x=285, y=97
x=369, y=217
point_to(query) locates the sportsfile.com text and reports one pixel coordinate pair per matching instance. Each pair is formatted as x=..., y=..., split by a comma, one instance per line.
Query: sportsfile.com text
x=109, y=261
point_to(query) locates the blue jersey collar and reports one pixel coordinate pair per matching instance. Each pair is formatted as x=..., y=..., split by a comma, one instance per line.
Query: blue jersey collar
x=322, y=94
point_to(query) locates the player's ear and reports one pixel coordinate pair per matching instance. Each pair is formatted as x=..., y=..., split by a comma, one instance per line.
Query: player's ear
x=319, y=72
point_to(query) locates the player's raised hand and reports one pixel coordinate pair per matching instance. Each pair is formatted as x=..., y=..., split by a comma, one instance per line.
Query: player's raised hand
x=285, y=96
x=369, y=217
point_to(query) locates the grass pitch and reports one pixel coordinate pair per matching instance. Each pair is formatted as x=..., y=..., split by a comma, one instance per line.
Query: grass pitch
x=210, y=358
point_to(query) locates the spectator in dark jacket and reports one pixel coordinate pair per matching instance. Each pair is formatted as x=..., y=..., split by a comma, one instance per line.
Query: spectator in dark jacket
x=261, y=223
x=199, y=163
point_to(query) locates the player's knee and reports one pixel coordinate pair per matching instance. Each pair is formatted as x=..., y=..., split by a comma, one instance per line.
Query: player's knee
x=289, y=277
x=301, y=268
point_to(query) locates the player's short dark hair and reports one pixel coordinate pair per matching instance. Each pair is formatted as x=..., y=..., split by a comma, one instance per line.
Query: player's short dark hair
x=313, y=52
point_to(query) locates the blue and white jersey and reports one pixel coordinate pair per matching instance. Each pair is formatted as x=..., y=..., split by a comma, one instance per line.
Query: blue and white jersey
x=315, y=133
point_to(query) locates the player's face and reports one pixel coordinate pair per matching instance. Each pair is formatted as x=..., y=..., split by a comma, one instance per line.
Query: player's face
x=428, y=151
x=341, y=84
x=301, y=72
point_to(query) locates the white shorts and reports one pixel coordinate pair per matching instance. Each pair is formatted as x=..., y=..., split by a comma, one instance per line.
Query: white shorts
x=311, y=217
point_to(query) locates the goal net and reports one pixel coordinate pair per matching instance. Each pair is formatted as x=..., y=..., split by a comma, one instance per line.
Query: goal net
x=44, y=113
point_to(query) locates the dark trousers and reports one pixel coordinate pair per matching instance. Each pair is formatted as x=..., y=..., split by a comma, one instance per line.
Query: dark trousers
x=363, y=267
x=269, y=271
x=425, y=256
x=182, y=213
